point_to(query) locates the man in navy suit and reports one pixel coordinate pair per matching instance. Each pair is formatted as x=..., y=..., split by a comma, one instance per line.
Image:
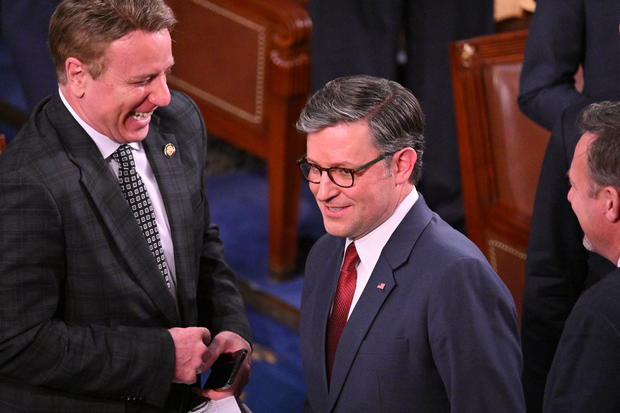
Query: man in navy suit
x=100, y=313
x=428, y=325
x=584, y=373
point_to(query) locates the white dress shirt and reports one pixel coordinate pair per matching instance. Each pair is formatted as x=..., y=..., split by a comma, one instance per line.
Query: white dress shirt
x=369, y=247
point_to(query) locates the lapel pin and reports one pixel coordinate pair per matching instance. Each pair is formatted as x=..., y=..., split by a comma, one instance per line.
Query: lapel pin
x=169, y=150
x=381, y=286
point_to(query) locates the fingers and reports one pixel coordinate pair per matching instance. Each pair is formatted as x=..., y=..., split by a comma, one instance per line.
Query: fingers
x=228, y=342
x=190, y=349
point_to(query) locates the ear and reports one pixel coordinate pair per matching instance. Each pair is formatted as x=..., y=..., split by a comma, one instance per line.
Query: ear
x=77, y=76
x=611, y=198
x=403, y=163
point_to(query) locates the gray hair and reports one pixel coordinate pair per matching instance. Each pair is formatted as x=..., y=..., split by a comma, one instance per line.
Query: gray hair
x=394, y=115
x=603, y=120
x=84, y=28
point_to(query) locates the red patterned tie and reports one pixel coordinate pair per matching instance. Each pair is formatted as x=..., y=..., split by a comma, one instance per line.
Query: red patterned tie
x=342, y=304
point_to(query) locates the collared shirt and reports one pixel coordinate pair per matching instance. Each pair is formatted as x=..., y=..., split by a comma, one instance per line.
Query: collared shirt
x=369, y=247
x=107, y=147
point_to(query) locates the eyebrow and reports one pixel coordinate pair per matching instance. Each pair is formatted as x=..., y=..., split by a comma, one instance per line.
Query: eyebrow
x=338, y=165
x=570, y=181
x=147, y=75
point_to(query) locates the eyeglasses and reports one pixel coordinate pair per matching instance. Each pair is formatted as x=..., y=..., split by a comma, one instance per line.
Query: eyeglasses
x=343, y=177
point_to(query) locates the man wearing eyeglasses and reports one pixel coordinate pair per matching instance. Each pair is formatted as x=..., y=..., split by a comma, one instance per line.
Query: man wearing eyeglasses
x=411, y=317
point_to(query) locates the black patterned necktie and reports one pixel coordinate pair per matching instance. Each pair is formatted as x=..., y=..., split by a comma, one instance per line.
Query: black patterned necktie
x=138, y=199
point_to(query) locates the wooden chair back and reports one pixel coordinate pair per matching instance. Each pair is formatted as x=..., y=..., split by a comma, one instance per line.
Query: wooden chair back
x=501, y=150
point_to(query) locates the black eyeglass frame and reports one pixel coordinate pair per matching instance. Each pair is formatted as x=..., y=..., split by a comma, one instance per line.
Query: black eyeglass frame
x=304, y=161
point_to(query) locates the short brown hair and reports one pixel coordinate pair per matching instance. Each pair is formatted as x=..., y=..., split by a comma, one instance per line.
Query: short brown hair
x=603, y=120
x=84, y=28
x=393, y=113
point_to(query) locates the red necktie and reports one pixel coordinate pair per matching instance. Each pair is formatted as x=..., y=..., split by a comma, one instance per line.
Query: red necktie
x=342, y=304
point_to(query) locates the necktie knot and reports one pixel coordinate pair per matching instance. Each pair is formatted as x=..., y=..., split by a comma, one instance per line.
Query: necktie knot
x=351, y=259
x=124, y=157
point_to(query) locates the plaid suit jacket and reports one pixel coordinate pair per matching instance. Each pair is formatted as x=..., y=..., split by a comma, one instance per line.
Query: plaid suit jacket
x=84, y=312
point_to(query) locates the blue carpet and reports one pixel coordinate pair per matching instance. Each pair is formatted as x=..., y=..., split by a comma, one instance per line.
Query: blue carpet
x=276, y=383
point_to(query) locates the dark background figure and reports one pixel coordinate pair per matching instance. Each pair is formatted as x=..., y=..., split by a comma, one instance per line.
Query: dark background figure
x=365, y=37
x=23, y=26
x=584, y=373
x=564, y=34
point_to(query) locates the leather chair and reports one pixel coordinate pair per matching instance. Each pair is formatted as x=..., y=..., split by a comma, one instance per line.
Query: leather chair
x=246, y=64
x=501, y=151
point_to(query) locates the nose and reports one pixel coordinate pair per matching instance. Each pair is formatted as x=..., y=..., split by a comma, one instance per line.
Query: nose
x=160, y=94
x=569, y=194
x=325, y=189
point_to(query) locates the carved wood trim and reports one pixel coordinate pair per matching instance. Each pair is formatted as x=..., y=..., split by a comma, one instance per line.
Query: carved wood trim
x=495, y=245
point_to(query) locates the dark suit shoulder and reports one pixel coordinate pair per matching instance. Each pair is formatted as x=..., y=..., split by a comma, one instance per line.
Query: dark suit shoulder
x=442, y=242
x=37, y=147
x=602, y=297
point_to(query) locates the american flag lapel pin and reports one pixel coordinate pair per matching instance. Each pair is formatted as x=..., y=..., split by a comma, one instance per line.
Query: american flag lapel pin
x=381, y=286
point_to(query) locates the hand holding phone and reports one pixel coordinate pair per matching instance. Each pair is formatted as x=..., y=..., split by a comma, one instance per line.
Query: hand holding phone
x=225, y=369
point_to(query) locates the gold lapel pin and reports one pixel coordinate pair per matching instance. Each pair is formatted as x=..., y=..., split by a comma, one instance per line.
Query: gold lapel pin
x=170, y=150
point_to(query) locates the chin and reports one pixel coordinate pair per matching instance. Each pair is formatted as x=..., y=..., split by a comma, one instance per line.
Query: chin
x=135, y=137
x=334, y=230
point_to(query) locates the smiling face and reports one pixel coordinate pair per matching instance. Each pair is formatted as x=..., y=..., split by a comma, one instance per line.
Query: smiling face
x=354, y=212
x=119, y=103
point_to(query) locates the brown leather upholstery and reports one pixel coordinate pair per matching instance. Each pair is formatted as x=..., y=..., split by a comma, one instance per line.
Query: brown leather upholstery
x=246, y=65
x=501, y=150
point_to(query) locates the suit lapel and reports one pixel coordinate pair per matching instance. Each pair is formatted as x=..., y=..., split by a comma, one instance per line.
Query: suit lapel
x=172, y=183
x=330, y=271
x=107, y=198
x=395, y=253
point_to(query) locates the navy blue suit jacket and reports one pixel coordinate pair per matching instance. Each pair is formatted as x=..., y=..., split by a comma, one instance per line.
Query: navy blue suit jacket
x=441, y=336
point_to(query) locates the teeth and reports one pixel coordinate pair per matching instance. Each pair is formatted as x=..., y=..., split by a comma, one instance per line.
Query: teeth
x=142, y=115
x=334, y=209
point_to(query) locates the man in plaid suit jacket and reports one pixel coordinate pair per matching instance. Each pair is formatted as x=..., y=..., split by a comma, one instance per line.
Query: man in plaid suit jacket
x=87, y=323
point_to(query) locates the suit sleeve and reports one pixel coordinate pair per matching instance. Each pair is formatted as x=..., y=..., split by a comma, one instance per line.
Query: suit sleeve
x=584, y=374
x=36, y=345
x=554, y=51
x=474, y=339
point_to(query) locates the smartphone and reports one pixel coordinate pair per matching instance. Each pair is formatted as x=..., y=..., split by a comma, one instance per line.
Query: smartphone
x=224, y=370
